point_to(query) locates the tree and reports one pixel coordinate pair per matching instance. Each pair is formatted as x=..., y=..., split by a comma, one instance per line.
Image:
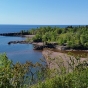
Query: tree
x=5, y=72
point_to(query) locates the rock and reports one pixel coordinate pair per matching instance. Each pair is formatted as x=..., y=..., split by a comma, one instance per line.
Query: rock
x=21, y=42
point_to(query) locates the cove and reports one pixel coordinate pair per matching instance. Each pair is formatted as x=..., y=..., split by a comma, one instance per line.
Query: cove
x=19, y=52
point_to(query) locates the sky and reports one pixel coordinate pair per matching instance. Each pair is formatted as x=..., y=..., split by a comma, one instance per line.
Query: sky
x=44, y=12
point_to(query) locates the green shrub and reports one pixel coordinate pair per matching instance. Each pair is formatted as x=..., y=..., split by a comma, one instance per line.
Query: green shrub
x=17, y=75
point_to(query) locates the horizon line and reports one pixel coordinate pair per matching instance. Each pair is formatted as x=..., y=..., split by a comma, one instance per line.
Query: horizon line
x=43, y=24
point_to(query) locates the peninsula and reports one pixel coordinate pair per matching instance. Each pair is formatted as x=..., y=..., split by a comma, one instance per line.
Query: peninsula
x=68, y=38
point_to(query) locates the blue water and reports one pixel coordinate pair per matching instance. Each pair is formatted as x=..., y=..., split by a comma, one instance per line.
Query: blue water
x=19, y=52
x=15, y=28
x=18, y=28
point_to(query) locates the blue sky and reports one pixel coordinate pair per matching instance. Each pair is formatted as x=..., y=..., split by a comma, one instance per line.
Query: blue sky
x=56, y=12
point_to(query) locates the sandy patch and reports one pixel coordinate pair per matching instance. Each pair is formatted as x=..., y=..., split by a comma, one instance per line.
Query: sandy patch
x=59, y=60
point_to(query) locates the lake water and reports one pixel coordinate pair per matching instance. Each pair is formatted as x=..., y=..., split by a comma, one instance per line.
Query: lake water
x=17, y=28
x=19, y=52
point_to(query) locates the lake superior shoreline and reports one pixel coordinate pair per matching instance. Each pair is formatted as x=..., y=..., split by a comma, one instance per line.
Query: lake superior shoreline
x=55, y=60
x=55, y=56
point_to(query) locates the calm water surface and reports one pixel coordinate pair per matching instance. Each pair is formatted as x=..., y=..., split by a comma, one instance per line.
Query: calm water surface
x=20, y=52
x=18, y=28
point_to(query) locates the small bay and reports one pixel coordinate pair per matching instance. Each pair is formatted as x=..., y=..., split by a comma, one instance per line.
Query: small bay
x=20, y=52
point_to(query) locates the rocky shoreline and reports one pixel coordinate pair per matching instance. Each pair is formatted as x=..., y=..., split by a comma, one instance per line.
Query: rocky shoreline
x=20, y=42
x=10, y=34
x=38, y=45
x=56, y=60
x=13, y=34
x=53, y=59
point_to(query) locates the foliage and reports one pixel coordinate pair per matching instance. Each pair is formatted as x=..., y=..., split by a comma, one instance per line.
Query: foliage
x=71, y=80
x=18, y=75
x=74, y=37
x=5, y=72
x=77, y=78
x=36, y=75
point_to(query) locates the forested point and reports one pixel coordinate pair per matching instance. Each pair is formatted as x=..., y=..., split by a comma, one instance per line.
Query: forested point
x=72, y=37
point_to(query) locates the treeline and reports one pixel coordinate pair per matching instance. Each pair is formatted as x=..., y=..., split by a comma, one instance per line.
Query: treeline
x=72, y=37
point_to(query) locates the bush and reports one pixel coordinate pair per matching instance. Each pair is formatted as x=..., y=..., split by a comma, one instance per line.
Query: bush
x=23, y=76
